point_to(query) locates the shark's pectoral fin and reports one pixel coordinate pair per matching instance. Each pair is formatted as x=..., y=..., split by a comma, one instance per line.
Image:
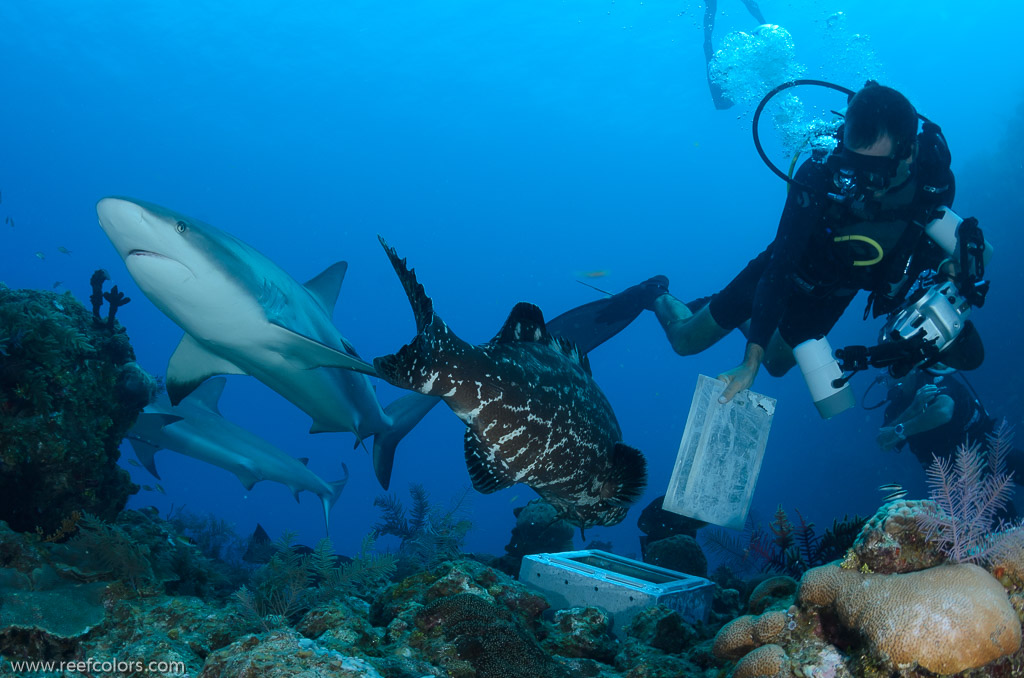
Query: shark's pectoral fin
x=487, y=476
x=144, y=452
x=192, y=364
x=247, y=478
x=306, y=353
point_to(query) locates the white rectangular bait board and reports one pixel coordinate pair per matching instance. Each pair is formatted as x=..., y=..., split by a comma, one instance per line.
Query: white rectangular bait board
x=720, y=455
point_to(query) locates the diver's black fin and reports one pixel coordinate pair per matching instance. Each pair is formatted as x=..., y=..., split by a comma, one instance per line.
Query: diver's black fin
x=486, y=476
x=590, y=325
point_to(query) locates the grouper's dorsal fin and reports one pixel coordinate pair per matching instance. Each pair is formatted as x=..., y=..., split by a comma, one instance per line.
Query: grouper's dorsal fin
x=422, y=306
x=190, y=365
x=326, y=287
x=524, y=323
x=207, y=394
x=486, y=475
x=572, y=352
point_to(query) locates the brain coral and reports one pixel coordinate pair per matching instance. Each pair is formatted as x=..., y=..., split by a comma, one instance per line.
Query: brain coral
x=764, y=662
x=745, y=633
x=947, y=619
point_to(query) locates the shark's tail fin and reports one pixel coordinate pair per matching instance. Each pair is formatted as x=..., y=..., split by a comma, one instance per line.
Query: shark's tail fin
x=422, y=306
x=331, y=499
x=406, y=412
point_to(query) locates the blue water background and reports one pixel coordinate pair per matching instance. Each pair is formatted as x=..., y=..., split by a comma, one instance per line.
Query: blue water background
x=504, y=148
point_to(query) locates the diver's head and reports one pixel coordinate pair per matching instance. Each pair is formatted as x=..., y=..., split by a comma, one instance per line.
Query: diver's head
x=879, y=142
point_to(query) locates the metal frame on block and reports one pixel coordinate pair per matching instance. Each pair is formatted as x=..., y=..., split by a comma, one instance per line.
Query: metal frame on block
x=622, y=586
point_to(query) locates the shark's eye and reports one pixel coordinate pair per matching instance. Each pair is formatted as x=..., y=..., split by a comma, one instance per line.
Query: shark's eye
x=180, y=226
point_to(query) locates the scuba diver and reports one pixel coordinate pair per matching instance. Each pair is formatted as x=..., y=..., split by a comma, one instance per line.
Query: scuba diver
x=932, y=413
x=721, y=101
x=854, y=219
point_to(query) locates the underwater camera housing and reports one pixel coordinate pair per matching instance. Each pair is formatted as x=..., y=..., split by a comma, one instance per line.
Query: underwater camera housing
x=932, y=327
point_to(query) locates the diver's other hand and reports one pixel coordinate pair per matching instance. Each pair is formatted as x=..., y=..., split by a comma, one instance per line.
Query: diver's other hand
x=924, y=397
x=887, y=438
x=742, y=376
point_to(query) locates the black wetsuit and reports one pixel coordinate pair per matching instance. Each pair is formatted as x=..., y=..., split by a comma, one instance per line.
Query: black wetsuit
x=969, y=423
x=825, y=252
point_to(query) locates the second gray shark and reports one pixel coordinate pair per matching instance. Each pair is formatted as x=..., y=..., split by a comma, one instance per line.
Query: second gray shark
x=196, y=429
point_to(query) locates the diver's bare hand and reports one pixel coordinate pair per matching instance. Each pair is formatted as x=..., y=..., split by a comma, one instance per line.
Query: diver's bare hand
x=742, y=376
x=924, y=396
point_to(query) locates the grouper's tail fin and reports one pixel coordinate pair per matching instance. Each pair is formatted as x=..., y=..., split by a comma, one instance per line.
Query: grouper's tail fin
x=422, y=306
x=627, y=477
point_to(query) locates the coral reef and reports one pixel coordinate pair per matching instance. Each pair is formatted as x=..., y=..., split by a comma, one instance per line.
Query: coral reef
x=538, y=529
x=428, y=534
x=783, y=547
x=895, y=608
x=69, y=390
x=947, y=619
x=680, y=553
x=656, y=523
x=970, y=492
x=893, y=540
x=772, y=593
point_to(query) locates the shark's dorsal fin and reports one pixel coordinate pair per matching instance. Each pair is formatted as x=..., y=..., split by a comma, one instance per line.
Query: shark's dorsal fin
x=326, y=286
x=524, y=323
x=208, y=393
x=304, y=461
x=306, y=353
x=190, y=365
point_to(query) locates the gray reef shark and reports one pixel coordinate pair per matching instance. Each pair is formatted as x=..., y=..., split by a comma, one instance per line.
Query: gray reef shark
x=242, y=314
x=533, y=412
x=196, y=429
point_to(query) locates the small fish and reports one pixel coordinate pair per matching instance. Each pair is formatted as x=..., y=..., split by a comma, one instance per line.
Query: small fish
x=40, y=255
x=594, y=274
x=893, y=491
x=180, y=540
x=58, y=284
x=147, y=488
x=160, y=488
x=9, y=222
x=134, y=462
x=63, y=250
x=513, y=499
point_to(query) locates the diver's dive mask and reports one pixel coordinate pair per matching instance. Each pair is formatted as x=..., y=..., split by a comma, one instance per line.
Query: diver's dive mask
x=858, y=178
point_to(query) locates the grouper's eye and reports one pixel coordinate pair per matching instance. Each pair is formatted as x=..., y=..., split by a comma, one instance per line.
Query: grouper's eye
x=180, y=226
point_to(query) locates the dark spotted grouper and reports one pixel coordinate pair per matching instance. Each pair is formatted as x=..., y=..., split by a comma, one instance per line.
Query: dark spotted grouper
x=533, y=413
